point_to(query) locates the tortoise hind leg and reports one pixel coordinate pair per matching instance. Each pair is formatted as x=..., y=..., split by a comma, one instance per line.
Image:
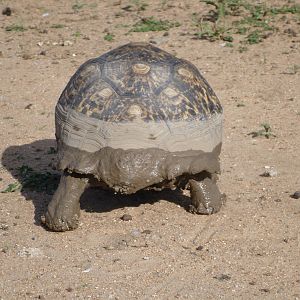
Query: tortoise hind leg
x=64, y=209
x=206, y=197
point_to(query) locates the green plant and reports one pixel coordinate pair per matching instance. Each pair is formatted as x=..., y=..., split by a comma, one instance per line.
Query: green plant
x=150, y=24
x=255, y=20
x=77, y=6
x=294, y=9
x=15, y=27
x=109, y=37
x=226, y=7
x=93, y=5
x=229, y=45
x=212, y=32
x=137, y=5
x=77, y=34
x=35, y=181
x=12, y=187
x=241, y=30
x=293, y=70
x=254, y=37
x=57, y=26
x=242, y=49
x=140, y=5
x=266, y=131
x=227, y=38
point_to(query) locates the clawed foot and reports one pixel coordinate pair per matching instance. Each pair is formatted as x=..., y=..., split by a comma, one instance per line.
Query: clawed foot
x=201, y=209
x=60, y=222
x=206, y=197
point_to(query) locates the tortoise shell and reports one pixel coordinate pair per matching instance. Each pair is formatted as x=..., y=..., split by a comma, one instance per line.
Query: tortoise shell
x=138, y=116
x=140, y=81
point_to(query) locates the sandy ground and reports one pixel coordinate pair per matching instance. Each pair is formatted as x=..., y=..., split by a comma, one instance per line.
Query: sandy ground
x=248, y=250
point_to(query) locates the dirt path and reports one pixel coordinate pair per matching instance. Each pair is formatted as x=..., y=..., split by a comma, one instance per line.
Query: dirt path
x=248, y=250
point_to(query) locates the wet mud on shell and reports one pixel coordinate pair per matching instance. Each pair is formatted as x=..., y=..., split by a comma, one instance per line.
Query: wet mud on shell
x=128, y=171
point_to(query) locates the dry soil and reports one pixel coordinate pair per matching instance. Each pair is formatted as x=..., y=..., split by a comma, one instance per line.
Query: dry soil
x=250, y=250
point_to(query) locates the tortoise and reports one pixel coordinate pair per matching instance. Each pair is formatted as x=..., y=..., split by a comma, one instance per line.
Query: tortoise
x=136, y=118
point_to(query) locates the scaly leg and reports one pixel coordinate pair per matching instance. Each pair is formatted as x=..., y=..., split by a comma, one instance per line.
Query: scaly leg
x=64, y=209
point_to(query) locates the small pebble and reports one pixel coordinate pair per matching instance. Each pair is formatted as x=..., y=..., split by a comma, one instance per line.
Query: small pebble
x=87, y=270
x=29, y=106
x=26, y=56
x=126, y=217
x=30, y=252
x=3, y=226
x=109, y=247
x=147, y=231
x=265, y=290
x=6, y=11
x=116, y=2
x=296, y=195
x=199, y=248
x=4, y=249
x=223, y=277
x=290, y=32
x=269, y=172
x=66, y=43
x=135, y=232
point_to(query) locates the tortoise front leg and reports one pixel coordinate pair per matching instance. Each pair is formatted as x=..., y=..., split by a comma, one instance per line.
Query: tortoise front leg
x=206, y=197
x=64, y=209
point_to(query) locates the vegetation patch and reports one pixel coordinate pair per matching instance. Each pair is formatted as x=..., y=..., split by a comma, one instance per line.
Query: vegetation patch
x=15, y=27
x=109, y=37
x=77, y=6
x=252, y=22
x=57, y=26
x=266, y=131
x=150, y=24
x=137, y=5
x=35, y=181
x=77, y=34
